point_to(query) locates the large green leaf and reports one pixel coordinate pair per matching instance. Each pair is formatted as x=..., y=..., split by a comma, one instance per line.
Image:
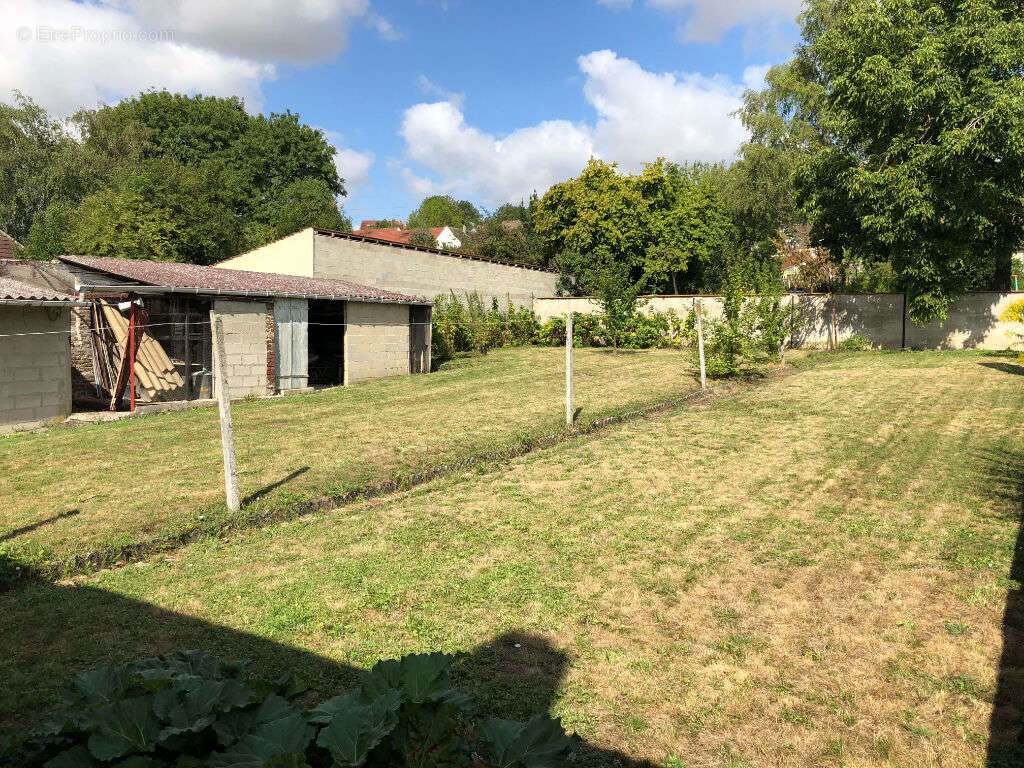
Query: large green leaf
x=356, y=729
x=233, y=725
x=540, y=742
x=420, y=677
x=193, y=704
x=124, y=727
x=99, y=685
x=76, y=757
x=273, y=743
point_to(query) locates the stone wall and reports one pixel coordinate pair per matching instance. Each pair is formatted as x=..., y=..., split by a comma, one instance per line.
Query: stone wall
x=427, y=274
x=376, y=341
x=35, y=371
x=245, y=326
x=973, y=321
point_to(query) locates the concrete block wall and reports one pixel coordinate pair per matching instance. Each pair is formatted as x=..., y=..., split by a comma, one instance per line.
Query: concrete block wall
x=35, y=371
x=426, y=274
x=973, y=321
x=245, y=345
x=376, y=341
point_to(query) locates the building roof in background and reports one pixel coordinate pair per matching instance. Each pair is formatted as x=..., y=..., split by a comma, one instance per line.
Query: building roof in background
x=16, y=290
x=9, y=247
x=214, y=280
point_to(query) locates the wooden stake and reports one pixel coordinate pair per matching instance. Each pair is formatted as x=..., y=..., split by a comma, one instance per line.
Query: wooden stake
x=570, y=412
x=227, y=434
x=698, y=310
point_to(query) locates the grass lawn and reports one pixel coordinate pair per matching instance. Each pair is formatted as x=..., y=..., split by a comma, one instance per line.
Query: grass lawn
x=812, y=572
x=74, y=491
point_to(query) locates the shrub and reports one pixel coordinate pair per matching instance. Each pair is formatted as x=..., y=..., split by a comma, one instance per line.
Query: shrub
x=856, y=343
x=191, y=709
x=751, y=331
x=464, y=327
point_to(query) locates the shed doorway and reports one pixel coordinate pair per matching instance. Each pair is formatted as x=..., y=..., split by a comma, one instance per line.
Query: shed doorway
x=419, y=339
x=326, y=343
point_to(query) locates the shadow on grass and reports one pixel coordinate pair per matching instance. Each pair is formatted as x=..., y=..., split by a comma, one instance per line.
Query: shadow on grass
x=1005, y=474
x=1017, y=370
x=54, y=631
x=38, y=524
x=257, y=495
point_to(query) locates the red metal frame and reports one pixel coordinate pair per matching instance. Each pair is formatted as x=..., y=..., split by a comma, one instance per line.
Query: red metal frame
x=131, y=354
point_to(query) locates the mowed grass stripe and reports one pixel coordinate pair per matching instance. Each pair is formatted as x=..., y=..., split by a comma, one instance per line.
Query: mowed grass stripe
x=811, y=572
x=97, y=488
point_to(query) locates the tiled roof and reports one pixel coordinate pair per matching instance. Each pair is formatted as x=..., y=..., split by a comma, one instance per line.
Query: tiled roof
x=9, y=247
x=15, y=290
x=212, y=280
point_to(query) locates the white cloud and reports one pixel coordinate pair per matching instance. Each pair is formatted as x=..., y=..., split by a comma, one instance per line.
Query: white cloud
x=296, y=31
x=431, y=88
x=641, y=115
x=68, y=55
x=709, y=19
x=705, y=21
x=353, y=166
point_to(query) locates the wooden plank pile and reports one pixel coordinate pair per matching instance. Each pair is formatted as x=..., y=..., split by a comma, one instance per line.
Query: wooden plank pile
x=156, y=376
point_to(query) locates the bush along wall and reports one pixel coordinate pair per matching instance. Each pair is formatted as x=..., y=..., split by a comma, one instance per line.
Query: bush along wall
x=467, y=326
x=190, y=709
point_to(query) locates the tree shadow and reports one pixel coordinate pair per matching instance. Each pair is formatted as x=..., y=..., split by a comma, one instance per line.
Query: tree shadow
x=55, y=630
x=12, y=534
x=1005, y=475
x=1017, y=370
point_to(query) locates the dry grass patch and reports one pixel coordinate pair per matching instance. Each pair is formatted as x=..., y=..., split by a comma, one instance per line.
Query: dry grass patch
x=74, y=491
x=810, y=573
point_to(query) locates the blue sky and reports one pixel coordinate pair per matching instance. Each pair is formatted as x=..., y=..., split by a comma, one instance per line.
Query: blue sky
x=482, y=100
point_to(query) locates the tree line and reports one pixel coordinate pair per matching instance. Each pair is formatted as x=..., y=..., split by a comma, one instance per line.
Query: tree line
x=887, y=154
x=162, y=176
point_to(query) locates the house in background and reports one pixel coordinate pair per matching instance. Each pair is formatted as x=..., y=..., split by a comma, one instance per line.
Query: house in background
x=445, y=237
x=35, y=354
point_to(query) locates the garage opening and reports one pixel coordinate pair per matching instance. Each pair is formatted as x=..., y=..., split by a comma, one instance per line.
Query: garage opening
x=419, y=333
x=326, y=343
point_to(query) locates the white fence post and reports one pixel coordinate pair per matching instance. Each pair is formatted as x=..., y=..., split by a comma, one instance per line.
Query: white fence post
x=227, y=434
x=569, y=410
x=698, y=310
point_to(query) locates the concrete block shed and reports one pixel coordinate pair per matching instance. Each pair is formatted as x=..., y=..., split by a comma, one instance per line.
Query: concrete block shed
x=412, y=269
x=35, y=354
x=281, y=332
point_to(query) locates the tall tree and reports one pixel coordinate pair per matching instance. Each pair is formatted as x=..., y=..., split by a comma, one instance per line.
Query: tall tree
x=444, y=211
x=912, y=115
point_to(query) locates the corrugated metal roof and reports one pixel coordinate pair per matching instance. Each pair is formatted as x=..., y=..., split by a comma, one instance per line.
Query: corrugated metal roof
x=15, y=290
x=168, y=274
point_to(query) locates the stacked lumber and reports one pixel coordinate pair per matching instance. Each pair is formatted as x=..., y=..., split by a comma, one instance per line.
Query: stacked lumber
x=155, y=375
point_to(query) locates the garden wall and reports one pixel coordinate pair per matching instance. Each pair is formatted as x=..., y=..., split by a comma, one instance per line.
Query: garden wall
x=973, y=321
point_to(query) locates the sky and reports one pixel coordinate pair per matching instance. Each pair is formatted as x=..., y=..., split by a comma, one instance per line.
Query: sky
x=485, y=101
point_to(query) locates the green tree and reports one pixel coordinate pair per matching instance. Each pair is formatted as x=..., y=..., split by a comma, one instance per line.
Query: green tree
x=161, y=210
x=616, y=293
x=444, y=211
x=423, y=237
x=910, y=117
x=597, y=217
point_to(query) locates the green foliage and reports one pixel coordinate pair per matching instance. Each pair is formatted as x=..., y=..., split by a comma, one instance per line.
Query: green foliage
x=856, y=343
x=423, y=237
x=616, y=294
x=162, y=175
x=191, y=709
x=642, y=331
x=444, y=211
x=459, y=327
x=908, y=117
x=754, y=325
x=666, y=225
